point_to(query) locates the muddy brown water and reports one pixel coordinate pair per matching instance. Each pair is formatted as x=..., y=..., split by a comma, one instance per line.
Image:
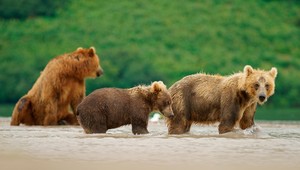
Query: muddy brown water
x=268, y=145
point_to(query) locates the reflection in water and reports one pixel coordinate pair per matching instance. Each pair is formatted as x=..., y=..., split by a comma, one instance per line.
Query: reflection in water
x=273, y=145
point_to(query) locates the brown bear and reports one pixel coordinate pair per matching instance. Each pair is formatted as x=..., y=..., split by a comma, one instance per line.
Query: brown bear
x=59, y=88
x=110, y=108
x=202, y=98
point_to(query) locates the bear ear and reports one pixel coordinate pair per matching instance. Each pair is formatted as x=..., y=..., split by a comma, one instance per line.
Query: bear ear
x=248, y=70
x=273, y=72
x=157, y=86
x=92, y=51
x=79, y=49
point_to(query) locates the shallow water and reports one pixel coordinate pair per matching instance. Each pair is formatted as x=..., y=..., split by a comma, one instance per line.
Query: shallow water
x=268, y=145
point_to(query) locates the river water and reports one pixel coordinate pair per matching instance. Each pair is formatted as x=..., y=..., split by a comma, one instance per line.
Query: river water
x=268, y=145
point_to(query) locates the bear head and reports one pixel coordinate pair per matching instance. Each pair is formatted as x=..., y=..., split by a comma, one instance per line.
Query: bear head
x=161, y=98
x=259, y=84
x=87, y=61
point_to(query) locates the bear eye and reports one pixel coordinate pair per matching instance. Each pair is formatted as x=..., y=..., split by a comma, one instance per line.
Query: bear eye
x=167, y=103
x=77, y=57
x=267, y=86
x=256, y=86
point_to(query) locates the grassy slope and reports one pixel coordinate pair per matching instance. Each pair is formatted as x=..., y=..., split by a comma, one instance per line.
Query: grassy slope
x=168, y=39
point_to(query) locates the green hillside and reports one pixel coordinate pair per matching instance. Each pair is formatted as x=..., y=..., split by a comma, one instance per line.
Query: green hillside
x=143, y=41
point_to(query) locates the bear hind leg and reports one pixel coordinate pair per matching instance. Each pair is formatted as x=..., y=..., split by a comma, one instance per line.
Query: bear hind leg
x=95, y=129
x=22, y=113
x=98, y=128
x=92, y=123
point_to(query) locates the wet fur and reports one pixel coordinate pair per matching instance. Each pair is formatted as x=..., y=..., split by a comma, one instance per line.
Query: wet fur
x=206, y=99
x=110, y=108
x=59, y=88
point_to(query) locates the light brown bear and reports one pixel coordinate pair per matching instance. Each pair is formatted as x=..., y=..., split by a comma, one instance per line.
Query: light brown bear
x=59, y=88
x=110, y=108
x=230, y=100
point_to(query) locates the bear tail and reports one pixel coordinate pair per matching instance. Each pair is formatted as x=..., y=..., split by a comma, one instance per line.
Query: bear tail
x=22, y=112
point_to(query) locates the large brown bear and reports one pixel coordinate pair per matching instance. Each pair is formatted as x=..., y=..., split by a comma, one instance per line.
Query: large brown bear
x=202, y=98
x=60, y=87
x=110, y=108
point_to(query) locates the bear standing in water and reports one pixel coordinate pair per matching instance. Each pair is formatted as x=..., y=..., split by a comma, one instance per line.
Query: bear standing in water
x=110, y=108
x=59, y=87
x=202, y=98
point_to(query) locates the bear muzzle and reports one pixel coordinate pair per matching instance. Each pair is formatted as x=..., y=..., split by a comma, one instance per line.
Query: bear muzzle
x=262, y=98
x=99, y=72
x=169, y=115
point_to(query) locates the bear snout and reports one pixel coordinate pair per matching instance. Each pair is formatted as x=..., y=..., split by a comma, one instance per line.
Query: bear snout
x=171, y=116
x=168, y=114
x=262, y=97
x=99, y=72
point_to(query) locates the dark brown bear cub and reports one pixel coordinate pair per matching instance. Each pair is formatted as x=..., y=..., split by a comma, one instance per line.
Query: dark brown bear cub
x=110, y=108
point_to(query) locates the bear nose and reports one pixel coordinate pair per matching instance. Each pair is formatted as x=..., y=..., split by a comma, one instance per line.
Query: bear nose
x=262, y=98
x=171, y=116
x=99, y=72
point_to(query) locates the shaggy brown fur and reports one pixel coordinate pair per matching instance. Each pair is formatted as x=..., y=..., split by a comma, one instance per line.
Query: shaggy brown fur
x=60, y=87
x=202, y=98
x=110, y=108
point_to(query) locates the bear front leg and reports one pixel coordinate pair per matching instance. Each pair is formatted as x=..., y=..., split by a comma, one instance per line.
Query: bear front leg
x=229, y=116
x=51, y=115
x=225, y=127
x=77, y=98
x=50, y=119
x=178, y=125
x=69, y=119
x=139, y=126
x=137, y=130
x=248, y=117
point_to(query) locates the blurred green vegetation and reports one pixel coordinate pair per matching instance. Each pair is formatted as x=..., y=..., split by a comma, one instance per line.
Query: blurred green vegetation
x=6, y=110
x=22, y=9
x=143, y=41
x=263, y=113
